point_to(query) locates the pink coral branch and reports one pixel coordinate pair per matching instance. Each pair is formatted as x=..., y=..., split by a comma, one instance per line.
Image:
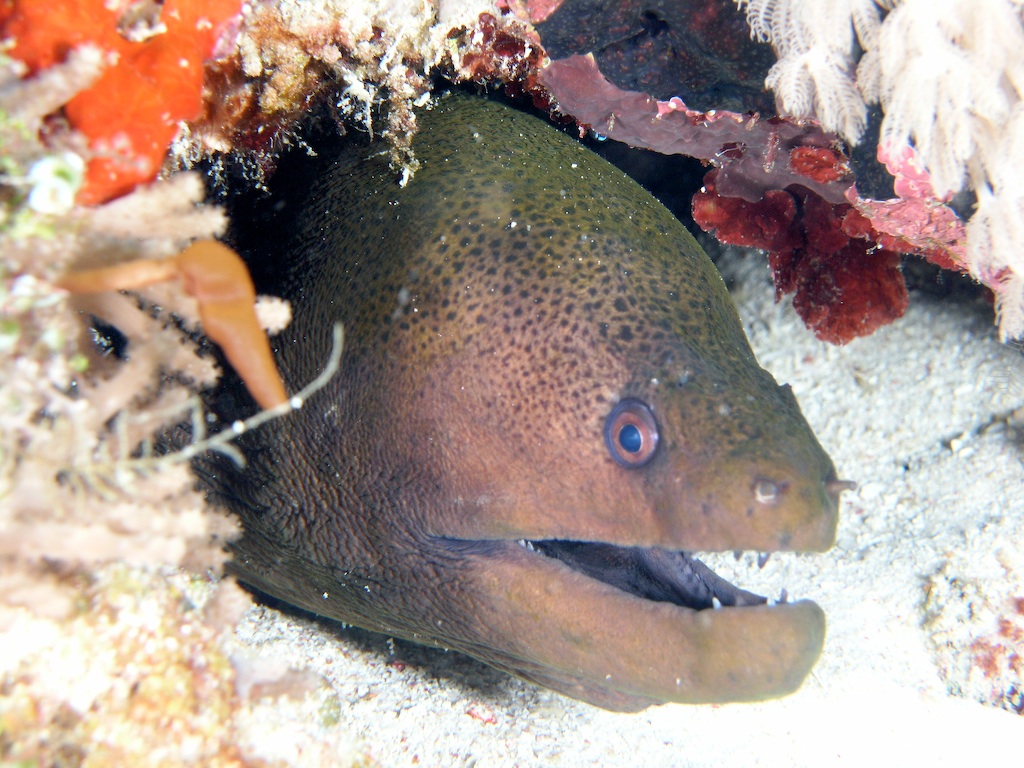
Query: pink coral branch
x=754, y=155
x=915, y=222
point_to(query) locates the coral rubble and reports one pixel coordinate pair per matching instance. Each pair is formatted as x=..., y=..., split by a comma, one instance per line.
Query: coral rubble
x=978, y=632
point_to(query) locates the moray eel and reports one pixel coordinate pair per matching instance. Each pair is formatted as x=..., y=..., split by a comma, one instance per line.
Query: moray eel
x=546, y=403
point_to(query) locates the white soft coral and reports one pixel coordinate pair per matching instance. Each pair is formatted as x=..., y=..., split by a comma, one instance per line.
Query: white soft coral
x=949, y=75
x=946, y=73
x=995, y=234
x=814, y=75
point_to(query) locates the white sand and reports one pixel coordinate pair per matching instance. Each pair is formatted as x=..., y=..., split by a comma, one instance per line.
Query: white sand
x=930, y=549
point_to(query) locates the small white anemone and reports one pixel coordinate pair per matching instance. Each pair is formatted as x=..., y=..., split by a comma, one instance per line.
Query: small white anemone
x=54, y=181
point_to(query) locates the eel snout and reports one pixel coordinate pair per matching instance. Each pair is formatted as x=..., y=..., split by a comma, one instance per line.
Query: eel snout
x=761, y=505
x=624, y=626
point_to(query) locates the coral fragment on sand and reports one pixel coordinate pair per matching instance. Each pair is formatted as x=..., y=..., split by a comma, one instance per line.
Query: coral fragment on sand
x=974, y=615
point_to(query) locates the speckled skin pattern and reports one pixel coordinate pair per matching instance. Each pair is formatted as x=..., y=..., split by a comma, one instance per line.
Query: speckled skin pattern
x=496, y=308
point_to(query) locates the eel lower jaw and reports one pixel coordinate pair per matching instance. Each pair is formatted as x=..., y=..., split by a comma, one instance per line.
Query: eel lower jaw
x=627, y=627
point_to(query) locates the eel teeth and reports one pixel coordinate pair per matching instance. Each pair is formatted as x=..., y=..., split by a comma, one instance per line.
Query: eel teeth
x=526, y=544
x=716, y=603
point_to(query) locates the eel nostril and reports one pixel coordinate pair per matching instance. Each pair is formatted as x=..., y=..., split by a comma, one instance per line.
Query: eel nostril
x=834, y=487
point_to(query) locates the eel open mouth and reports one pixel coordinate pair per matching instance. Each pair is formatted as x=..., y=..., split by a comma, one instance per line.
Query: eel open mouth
x=651, y=573
x=662, y=575
x=627, y=625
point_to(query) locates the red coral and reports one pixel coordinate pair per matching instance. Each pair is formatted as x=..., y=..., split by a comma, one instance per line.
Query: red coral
x=821, y=164
x=766, y=224
x=822, y=252
x=784, y=186
x=131, y=114
x=498, y=50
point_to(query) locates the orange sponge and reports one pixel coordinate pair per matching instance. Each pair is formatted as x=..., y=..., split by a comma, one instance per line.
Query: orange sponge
x=155, y=79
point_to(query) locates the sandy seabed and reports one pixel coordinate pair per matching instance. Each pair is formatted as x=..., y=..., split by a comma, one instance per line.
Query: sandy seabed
x=919, y=590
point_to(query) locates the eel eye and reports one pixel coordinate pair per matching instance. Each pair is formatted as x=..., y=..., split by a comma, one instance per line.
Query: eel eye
x=631, y=433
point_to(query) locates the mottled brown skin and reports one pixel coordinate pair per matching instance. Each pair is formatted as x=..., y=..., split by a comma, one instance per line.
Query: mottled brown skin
x=495, y=310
